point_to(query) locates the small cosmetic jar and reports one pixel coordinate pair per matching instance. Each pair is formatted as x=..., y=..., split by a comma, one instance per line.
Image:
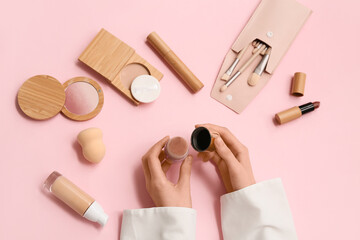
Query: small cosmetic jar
x=176, y=149
x=201, y=140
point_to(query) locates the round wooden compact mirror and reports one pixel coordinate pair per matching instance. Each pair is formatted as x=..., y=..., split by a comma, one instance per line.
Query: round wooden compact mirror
x=42, y=97
x=84, y=98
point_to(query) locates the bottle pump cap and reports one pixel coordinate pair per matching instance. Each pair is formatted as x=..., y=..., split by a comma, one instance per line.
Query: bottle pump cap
x=95, y=213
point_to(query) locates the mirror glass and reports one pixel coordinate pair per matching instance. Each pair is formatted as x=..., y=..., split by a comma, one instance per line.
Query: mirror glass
x=81, y=98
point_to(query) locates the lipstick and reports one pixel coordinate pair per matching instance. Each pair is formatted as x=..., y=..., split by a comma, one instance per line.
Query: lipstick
x=296, y=112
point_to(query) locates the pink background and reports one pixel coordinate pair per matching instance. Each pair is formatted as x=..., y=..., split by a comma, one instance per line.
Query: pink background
x=317, y=156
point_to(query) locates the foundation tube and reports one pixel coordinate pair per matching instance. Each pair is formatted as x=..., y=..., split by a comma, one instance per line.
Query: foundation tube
x=296, y=112
x=201, y=140
x=176, y=149
x=75, y=198
x=174, y=61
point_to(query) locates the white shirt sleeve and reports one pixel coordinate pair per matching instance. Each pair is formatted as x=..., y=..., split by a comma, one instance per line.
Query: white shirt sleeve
x=258, y=212
x=160, y=223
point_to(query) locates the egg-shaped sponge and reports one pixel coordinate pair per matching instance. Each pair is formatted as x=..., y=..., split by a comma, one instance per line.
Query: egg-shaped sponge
x=91, y=141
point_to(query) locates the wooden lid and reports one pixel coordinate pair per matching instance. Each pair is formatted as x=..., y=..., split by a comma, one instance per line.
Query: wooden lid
x=41, y=97
x=298, y=84
x=107, y=54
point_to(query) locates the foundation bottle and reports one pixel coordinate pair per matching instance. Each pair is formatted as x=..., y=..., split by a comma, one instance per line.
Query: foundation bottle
x=75, y=198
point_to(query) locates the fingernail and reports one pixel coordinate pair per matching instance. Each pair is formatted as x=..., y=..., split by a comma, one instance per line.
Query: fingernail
x=205, y=159
x=200, y=155
x=215, y=135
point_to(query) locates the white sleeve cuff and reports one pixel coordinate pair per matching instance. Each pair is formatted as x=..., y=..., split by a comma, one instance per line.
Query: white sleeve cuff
x=258, y=212
x=159, y=223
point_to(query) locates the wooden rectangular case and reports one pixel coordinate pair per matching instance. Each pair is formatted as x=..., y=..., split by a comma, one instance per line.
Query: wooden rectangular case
x=275, y=22
x=108, y=55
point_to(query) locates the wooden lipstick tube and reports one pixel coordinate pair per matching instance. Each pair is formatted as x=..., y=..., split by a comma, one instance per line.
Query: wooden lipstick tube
x=175, y=62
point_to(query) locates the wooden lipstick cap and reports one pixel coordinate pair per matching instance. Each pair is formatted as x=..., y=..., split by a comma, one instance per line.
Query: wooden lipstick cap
x=174, y=61
x=298, y=84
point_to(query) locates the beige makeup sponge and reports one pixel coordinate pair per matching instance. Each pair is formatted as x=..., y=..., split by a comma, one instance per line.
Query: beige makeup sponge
x=92, y=144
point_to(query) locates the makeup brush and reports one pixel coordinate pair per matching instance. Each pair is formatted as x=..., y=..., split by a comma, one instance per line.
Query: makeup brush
x=242, y=69
x=257, y=47
x=264, y=51
x=228, y=73
x=255, y=76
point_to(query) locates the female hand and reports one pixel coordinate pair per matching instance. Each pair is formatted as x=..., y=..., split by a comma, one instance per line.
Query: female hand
x=231, y=157
x=163, y=192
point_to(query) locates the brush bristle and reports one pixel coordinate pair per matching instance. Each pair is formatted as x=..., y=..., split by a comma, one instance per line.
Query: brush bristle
x=253, y=79
x=223, y=88
x=225, y=77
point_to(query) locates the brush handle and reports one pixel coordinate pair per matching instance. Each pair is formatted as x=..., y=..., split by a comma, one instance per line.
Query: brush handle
x=237, y=60
x=249, y=61
x=241, y=54
x=232, y=79
x=232, y=67
x=257, y=47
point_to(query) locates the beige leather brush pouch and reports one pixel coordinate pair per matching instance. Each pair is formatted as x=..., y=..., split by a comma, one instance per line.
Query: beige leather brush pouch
x=275, y=22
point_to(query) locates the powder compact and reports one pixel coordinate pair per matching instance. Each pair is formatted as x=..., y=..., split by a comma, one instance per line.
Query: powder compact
x=42, y=97
x=121, y=65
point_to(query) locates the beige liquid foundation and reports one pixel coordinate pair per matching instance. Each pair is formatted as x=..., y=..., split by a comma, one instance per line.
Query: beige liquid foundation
x=75, y=198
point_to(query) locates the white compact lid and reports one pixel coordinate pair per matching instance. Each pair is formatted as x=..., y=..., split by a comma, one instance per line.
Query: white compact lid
x=145, y=88
x=95, y=213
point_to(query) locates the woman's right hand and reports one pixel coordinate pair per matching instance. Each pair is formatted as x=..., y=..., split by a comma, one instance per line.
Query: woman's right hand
x=231, y=157
x=163, y=192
